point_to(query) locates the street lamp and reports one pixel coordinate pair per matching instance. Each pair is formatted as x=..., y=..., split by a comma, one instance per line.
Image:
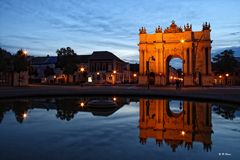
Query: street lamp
x=147, y=65
x=82, y=104
x=82, y=69
x=82, y=80
x=220, y=77
x=24, y=52
x=226, y=75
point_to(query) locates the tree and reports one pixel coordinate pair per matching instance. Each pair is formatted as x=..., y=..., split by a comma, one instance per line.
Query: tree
x=225, y=62
x=5, y=59
x=67, y=61
x=20, y=63
x=5, y=65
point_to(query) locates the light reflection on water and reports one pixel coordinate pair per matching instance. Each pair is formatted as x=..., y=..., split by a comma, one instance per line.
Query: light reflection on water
x=117, y=128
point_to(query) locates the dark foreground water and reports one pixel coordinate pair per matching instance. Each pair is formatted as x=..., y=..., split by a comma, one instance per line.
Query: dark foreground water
x=118, y=128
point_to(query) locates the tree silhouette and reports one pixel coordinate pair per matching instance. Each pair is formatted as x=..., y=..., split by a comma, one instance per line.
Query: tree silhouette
x=226, y=111
x=66, y=108
x=5, y=63
x=67, y=61
x=225, y=62
x=19, y=108
x=20, y=63
x=5, y=58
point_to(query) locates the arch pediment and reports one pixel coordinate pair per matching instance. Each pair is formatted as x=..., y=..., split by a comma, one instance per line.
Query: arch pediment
x=173, y=28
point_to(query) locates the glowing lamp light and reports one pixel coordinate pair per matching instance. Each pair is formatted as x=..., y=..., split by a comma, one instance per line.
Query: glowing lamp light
x=98, y=73
x=114, y=71
x=25, y=52
x=24, y=115
x=82, y=104
x=220, y=76
x=134, y=75
x=171, y=77
x=182, y=40
x=114, y=98
x=183, y=133
x=82, y=69
x=226, y=74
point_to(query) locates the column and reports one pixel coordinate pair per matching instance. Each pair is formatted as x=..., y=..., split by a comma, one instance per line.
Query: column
x=140, y=61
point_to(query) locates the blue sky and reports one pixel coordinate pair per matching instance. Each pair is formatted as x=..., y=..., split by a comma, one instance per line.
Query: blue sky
x=43, y=26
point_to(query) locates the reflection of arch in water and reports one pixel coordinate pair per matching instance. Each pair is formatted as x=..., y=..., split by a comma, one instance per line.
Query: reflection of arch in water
x=192, y=124
x=173, y=113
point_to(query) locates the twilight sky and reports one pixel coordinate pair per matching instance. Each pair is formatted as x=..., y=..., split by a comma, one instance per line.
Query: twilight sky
x=43, y=26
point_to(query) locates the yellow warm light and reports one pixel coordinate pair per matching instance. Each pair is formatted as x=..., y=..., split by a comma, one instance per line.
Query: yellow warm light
x=24, y=115
x=134, y=75
x=183, y=133
x=98, y=73
x=82, y=69
x=114, y=71
x=82, y=104
x=54, y=77
x=171, y=77
x=114, y=98
x=227, y=75
x=25, y=52
x=220, y=76
x=182, y=40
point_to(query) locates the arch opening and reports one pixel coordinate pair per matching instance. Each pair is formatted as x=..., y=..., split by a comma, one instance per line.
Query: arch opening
x=174, y=70
x=175, y=108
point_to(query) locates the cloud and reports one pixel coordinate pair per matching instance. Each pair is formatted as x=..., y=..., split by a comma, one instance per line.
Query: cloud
x=111, y=25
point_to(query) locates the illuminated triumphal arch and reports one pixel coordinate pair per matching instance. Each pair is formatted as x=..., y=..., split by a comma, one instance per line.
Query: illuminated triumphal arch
x=191, y=123
x=193, y=48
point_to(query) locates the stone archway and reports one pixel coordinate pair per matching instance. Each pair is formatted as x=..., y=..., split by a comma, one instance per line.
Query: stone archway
x=168, y=70
x=194, y=48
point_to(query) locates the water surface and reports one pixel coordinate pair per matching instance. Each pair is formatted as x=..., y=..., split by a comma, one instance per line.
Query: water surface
x=117, y=128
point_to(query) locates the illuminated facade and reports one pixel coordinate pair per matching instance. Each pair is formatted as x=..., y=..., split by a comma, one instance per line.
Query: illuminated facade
x=194, y=48
x=193, y=123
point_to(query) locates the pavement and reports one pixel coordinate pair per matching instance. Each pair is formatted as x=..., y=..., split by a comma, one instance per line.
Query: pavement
x=221, y=94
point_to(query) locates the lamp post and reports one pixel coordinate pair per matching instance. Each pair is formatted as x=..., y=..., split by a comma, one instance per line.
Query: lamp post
x=82, y=70
x=147, y=65
x=226, y=80
x=220, y=77
x=115, y=76
x=24, y=54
